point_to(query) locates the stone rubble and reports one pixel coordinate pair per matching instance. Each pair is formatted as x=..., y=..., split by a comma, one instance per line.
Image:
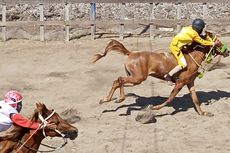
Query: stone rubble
x=113, y=11
x=110, y=11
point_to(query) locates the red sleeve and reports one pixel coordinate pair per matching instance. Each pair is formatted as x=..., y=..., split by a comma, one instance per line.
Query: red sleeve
x=24, y=122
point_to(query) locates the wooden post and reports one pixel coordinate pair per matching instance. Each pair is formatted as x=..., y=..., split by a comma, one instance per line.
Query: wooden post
x=42, y=31
x=67, y=6
x=121, y=37
x=178, y=16
x=178, y=27
x=151, y=27
x=4, y=22
x=205, y=11
x=93, y=18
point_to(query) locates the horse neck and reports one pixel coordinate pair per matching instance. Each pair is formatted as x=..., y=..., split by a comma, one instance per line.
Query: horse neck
x=7, y=146
x=8, y=142
x=199, y=56
x=33, y=143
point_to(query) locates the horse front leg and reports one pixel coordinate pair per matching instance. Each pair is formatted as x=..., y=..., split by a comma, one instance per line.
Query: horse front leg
x=195, y=100
x=175, y=91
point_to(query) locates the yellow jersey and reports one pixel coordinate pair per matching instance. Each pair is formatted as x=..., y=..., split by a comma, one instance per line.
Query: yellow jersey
x=188, y=35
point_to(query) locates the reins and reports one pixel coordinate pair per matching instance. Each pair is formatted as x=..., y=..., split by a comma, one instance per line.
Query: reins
x=52, y=148
x=28, y=138
x=194, y=60
x=200, y=66
x=43, y=125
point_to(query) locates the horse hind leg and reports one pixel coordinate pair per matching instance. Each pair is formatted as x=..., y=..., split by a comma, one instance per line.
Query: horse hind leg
x=121, y=82
x=128, y=82
x=111, y=92
x=116, y=84
x=134, y=77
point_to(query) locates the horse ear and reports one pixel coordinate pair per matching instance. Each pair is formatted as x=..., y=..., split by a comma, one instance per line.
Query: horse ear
x=44, y=107
x=39, y=106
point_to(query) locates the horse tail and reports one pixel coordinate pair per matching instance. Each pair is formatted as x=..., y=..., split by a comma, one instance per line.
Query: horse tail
x=113, y=45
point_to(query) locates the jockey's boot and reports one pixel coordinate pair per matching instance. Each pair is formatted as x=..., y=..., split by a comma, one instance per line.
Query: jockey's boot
x=168, y=77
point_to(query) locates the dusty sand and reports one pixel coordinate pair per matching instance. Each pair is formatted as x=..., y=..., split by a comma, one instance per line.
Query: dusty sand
x=61, y=75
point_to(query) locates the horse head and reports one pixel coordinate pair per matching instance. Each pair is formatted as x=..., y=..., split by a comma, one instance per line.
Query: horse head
x=64, y=129
x=221, y=48
x=19, y=137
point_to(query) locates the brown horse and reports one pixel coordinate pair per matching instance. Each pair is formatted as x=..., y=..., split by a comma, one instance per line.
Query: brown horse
x=141, y=64
x=22, y=140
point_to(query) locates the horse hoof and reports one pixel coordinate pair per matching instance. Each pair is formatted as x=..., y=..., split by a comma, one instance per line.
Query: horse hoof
x=119, y=100
x=156, y=107
x=208, y=114
x=102, y=101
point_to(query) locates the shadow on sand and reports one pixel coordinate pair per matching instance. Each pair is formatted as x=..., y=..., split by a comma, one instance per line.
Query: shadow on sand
x=179, y=103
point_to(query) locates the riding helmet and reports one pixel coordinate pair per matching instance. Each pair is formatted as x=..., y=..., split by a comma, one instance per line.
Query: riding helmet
x=14, y=99
x=198, y=25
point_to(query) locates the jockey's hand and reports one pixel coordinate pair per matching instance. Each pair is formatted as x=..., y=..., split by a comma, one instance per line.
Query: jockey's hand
x=217, y=43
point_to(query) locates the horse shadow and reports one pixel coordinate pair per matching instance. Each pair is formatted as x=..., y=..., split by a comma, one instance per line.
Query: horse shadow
x=179, y=103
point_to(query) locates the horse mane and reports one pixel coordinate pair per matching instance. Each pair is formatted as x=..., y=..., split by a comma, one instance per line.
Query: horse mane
x=15, y=134
x=18, y=132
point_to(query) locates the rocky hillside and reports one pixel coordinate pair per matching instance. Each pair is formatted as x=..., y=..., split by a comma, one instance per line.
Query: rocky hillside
x=109, y=11
x=112, y=11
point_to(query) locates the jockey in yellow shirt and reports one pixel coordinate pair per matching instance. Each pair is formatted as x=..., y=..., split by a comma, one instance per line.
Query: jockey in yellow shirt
x=185, y=36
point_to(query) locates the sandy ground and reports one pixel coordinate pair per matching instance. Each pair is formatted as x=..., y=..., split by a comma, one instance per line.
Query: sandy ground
x=61, y=75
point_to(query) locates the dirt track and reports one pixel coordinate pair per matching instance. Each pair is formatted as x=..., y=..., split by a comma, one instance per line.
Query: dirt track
x=61, y=75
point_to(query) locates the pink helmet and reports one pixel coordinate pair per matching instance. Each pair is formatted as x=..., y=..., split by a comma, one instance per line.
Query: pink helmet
x=13, y=97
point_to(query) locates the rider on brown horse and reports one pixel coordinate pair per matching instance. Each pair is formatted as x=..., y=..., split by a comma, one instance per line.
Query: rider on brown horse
x=186, y=36
x=10, y=108
x=141, y=64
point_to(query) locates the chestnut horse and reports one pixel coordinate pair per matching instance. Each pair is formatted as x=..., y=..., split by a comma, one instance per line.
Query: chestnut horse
x=141, y=64
x=23, y=140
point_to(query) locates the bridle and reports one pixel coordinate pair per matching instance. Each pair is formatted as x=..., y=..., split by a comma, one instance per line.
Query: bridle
x=52, y=148
x=42, y=126
x=206, y=60
x=209, y=56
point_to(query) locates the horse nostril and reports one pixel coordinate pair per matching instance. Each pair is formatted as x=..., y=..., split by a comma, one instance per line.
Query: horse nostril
x=75, y=133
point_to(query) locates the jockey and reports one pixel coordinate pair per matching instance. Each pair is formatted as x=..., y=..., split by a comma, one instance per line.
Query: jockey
x=186, y=36
x=10, y=108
